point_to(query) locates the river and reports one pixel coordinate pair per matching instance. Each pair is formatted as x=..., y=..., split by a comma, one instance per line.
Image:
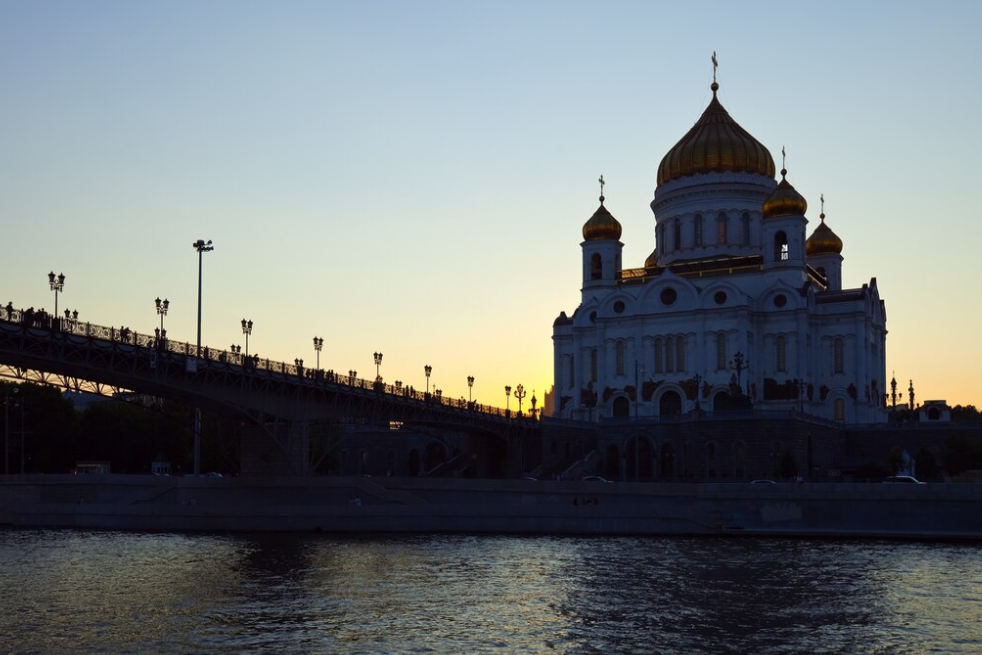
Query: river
x=70, y=591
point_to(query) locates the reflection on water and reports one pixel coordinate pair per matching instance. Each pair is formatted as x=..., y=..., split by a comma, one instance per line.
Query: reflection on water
x=87, y=592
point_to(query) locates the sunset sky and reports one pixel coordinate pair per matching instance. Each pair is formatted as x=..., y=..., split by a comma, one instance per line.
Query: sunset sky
x=412, y=177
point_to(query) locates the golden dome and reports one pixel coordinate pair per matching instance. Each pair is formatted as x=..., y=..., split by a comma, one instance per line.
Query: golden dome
x=715, y=144
x=823, y=241
x=601, y=225
x=784, y=200
x=652, y=259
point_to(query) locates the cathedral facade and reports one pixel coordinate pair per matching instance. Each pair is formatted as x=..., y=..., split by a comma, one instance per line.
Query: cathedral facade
x=735, y=309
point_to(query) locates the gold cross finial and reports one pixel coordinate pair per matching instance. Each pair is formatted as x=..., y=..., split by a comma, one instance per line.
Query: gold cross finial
x=715, y=66
x=822, y=198
x=602, y=189
x=784, y=158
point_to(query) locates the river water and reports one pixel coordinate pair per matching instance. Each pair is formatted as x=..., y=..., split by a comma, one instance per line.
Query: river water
x=107, y=592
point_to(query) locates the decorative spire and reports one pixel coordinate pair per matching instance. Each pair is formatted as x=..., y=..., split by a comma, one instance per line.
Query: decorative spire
x=784, y=162
x=602, y=189
x=714, y=86
x=822, y=215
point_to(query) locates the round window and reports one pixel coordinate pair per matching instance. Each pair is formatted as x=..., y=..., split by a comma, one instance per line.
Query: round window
x=619, y=306
x=720, y=297
x=780, y=300
x=669, y=296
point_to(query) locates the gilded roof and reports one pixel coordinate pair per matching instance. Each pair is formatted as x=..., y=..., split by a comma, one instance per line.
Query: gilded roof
x=602, y=225
x=715, y=144
x=823, y=241
x=784, y=200
x=652, y=259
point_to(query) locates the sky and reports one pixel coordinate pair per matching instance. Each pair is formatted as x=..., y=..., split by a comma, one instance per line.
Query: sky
x=412, y=178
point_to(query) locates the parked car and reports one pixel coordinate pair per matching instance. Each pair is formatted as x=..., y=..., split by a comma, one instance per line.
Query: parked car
x=902, y=479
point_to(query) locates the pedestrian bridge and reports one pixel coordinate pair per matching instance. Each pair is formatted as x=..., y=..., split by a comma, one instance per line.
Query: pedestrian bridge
x=279, y=397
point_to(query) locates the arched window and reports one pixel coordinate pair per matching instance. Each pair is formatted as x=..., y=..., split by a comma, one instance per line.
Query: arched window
x=840, y=409
x=838, y=352
x=572, y=372
x=720, y=351
x=593, y=365
x=781, y=247
x=677, y=229
x=698, y=226
x=659, y=356
x=721, y=229
x=596, y=266
x=619, y=355
x=745, y=224
x=680, y=354
x=821, y=271
x=669, y=355
x=782, y=354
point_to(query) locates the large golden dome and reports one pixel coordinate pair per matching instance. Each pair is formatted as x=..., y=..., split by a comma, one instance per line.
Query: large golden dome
x=784, y=200
x=823, y=241
x=602, y=225
x=715, y=144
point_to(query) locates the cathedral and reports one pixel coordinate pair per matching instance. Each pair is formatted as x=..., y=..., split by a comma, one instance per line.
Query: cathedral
x=734, y=310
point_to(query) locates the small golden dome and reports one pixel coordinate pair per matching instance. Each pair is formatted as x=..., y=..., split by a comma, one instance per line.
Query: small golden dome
x=784, y=200
x=601, y=225
x=823, y=241
x=715, y=144
x=652, y=259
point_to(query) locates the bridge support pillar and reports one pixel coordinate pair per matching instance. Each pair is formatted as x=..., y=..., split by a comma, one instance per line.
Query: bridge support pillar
x=275, y=449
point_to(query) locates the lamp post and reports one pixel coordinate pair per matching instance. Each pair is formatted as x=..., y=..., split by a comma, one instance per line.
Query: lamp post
x=318, y=345
x=533, y=404
x=6, y=429
x=470, y=387
x=520, y=394
x=738, y=365
x=246, y=330
x=507, y=400
x=378, y=363
x=427, y=369
x=202, y=247
x=162, y=306
x=57, y=284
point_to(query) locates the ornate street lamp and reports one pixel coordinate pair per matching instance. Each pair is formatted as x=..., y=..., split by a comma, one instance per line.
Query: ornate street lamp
x=378, y=363
x=162, y=306
x=470, y=387
x=318, y=345
x=520, y=394
x=57, y=284
x=533, y=404
x=202, y=247
x=428, y=369
x=507, y=399
x=246, y=330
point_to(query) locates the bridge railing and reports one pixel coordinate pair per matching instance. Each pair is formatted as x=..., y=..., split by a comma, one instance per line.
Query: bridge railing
x=159, y=342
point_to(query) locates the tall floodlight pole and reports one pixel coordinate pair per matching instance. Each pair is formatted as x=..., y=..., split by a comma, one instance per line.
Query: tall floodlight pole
x=202, y=247
x=427, y=369
x=378, y=363
x=6, y=430
x=57, y=284
x=507, y=399
x=318, y=346
x=470, y=387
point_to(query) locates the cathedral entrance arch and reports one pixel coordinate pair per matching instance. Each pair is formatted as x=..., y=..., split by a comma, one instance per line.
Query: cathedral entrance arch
x=720, y=402
x=670, y=404
x=622, y=407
